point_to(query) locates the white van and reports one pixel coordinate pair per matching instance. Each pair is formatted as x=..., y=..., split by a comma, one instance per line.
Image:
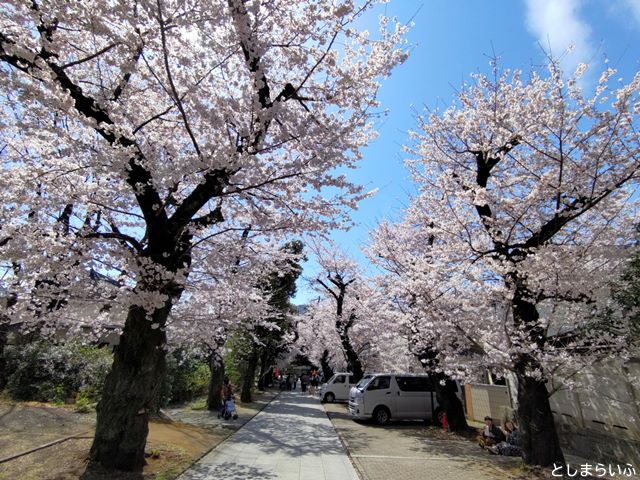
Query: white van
x=383, y=396
x=337, y=388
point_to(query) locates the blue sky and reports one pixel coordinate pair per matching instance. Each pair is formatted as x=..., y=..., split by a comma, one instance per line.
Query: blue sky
x=451, y=39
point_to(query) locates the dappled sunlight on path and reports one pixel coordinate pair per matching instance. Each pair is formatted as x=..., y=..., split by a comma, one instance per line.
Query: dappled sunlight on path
x=290, y=439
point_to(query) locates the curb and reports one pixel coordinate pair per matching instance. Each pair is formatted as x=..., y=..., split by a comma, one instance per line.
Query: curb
x=46, y=445
x=196, y=460
x=359, y=470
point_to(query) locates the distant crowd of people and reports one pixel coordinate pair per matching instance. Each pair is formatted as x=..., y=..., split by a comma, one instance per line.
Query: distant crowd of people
x=310, y=380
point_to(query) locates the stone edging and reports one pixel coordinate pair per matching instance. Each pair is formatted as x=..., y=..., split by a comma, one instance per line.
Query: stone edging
x=354, y=461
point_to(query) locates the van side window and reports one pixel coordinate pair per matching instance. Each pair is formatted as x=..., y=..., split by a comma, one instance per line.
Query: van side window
x=414, y=384
x=339, y=379
x=380, y=383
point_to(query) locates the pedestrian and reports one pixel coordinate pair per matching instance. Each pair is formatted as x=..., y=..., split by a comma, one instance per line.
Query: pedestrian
x=314, y=382
x=304, y=380
x=226, y=394
x=295, y=380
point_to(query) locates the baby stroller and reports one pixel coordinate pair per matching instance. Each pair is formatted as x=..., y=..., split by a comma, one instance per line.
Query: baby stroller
x=228, y=409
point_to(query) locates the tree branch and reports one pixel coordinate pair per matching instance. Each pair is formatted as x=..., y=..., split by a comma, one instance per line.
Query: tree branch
x=138, y=178
x=119, y=236
x=327, y=288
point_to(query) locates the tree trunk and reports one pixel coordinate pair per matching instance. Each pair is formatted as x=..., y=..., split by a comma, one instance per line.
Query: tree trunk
x=449, y=402
x=327, y=371
x=540, y=440
x=540, y=444
x=214, y=398
x=249, y=377
x=264, y=361
x=354, y=365
x=4, y=333
x=130, y=390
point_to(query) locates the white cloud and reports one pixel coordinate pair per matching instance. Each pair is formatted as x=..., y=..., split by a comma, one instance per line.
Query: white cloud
x=557, y=24
x=634, y=6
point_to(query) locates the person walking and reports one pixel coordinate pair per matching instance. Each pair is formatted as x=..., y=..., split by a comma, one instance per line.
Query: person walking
x=314, y=382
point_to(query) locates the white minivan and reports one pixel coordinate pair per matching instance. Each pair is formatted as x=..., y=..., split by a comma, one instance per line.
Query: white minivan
x=383, y=396
x=337, y=388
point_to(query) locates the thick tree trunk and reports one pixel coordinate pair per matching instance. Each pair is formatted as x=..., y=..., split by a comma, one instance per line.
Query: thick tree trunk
x=449, y=402
x=248, y=377
x=353, y=363
x=343, y=325
x=327, y=371
x=214, y=398
x=130, y=391
x=540, y=439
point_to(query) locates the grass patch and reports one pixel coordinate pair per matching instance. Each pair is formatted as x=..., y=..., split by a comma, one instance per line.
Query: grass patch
x=199, y=404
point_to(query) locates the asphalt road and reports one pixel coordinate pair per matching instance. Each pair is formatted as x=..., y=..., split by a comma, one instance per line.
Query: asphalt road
x=414, y=451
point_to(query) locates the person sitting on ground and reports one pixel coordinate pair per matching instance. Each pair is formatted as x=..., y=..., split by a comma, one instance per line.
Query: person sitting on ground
x=491, y=434
x=512, y=446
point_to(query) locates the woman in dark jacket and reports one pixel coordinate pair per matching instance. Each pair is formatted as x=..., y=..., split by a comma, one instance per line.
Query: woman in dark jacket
x=512, y=446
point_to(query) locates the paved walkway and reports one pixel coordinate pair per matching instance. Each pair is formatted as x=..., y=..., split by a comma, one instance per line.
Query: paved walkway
x=292, y=438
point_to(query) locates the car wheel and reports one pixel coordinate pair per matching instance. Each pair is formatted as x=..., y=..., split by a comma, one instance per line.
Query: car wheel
x=381, y=415
x=329, y=397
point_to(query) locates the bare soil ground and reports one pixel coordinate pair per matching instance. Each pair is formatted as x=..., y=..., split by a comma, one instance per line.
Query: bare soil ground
x=172, y=445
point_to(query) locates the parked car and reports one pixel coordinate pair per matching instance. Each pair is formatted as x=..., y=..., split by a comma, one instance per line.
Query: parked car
x=384, y=396
x=337, y=388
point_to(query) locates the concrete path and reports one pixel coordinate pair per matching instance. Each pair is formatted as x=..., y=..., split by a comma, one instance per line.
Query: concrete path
x=292, y=438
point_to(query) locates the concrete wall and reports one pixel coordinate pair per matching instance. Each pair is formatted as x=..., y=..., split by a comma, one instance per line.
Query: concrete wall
x=600, y=420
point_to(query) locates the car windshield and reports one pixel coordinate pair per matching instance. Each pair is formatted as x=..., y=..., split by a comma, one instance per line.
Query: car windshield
x=332, y=378
x=363, y=382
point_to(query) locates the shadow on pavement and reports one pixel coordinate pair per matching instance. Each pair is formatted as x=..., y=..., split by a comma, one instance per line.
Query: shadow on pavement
x=286, y=426
x=228, y=471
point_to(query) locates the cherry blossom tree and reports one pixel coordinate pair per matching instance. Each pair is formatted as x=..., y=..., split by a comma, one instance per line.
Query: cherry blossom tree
x=525, y=213
x=197, y=320
x=393, y=250
x=136, y=136
x=339, y=274
x=352, y=325
x=268, y=337
x=280, y=287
